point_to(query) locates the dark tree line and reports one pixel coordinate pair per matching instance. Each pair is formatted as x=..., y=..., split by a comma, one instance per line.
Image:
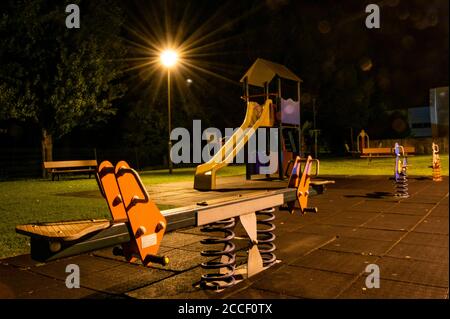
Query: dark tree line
x=57, y=78
x=82, y=87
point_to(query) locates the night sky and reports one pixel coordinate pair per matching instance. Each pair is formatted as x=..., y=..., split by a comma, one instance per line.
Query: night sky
x=406, y=57
x=356, y=74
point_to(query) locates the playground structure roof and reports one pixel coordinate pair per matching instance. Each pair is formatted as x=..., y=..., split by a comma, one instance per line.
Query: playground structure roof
x=263, y=71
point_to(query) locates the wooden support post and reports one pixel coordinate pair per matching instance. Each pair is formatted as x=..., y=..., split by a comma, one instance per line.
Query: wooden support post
x=255, y=261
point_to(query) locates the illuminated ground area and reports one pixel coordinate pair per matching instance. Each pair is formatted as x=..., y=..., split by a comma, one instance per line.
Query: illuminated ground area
x=322, y=256
x=76, y=197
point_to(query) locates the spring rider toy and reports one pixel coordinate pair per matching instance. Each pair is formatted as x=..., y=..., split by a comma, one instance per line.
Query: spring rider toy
x=400, y=176
x=437, y=177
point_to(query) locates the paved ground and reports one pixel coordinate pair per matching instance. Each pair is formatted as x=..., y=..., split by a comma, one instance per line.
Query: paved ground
x=321, y=256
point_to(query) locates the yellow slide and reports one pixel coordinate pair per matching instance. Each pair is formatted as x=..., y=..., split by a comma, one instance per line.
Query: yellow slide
x=255, y=117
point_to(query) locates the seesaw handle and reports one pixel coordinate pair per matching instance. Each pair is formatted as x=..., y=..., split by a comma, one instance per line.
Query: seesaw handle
x=161, y=260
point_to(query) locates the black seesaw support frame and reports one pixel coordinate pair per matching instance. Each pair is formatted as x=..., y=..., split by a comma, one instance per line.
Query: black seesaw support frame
x=177, y=218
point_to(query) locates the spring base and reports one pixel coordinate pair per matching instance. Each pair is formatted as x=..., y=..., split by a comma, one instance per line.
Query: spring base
x=436, y=164
x=401, y=185
x=437, y=177
x=265, y=229
x=224, y=264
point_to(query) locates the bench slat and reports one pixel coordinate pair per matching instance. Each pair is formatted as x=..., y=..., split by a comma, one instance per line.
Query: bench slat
x=384, y=151
x=409, y=149
x=375, y=155
x=68, y=164
x=72, y=170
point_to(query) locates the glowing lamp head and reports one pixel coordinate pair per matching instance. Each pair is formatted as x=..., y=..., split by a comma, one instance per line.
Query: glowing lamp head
x=169, y=58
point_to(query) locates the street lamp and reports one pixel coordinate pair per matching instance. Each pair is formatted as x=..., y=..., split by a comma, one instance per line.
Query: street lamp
x=168, y=59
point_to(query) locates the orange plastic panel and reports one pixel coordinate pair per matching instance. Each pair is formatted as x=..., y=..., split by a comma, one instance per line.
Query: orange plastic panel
x=303, y=187
x=110, y=190
x=146, y=221
x=294, y=178
x=301, y=183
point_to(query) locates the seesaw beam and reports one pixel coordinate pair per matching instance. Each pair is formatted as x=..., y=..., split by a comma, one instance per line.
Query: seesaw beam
x=177, y=218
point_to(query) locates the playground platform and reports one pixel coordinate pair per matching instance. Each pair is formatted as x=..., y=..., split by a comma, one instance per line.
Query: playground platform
x=322, y=255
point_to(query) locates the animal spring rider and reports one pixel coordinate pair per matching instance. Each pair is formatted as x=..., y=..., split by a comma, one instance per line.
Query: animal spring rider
x=137, y=226
x=259, y=227
x=437, y=177
x=301, y=180
x=136, y=223
x=400, y=176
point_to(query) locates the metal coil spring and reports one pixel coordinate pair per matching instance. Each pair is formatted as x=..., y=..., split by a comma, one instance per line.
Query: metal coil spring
x=225, y=266
x=401, y=185
x=265, y=229
x=437, y=177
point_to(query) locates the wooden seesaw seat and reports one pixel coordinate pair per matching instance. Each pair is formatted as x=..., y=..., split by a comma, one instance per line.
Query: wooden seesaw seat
x=130, y=208
x=56, y=240
x=138, y=226
x=63, y=231
x=320, y=185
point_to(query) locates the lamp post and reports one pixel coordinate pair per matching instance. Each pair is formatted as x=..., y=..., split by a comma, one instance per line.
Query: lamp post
x=168, y=59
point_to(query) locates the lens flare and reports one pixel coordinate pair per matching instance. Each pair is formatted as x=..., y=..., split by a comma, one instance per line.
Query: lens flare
x=169, y=58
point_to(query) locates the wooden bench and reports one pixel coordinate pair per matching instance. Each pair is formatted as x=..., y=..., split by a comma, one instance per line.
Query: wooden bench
x=384, y=152
x=64, y=167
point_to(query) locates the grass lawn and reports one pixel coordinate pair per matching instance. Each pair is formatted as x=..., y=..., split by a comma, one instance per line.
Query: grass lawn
x=417, y=166
x=38, y=200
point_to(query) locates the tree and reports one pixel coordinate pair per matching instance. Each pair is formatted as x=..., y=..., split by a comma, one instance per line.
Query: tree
x=57, y=77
